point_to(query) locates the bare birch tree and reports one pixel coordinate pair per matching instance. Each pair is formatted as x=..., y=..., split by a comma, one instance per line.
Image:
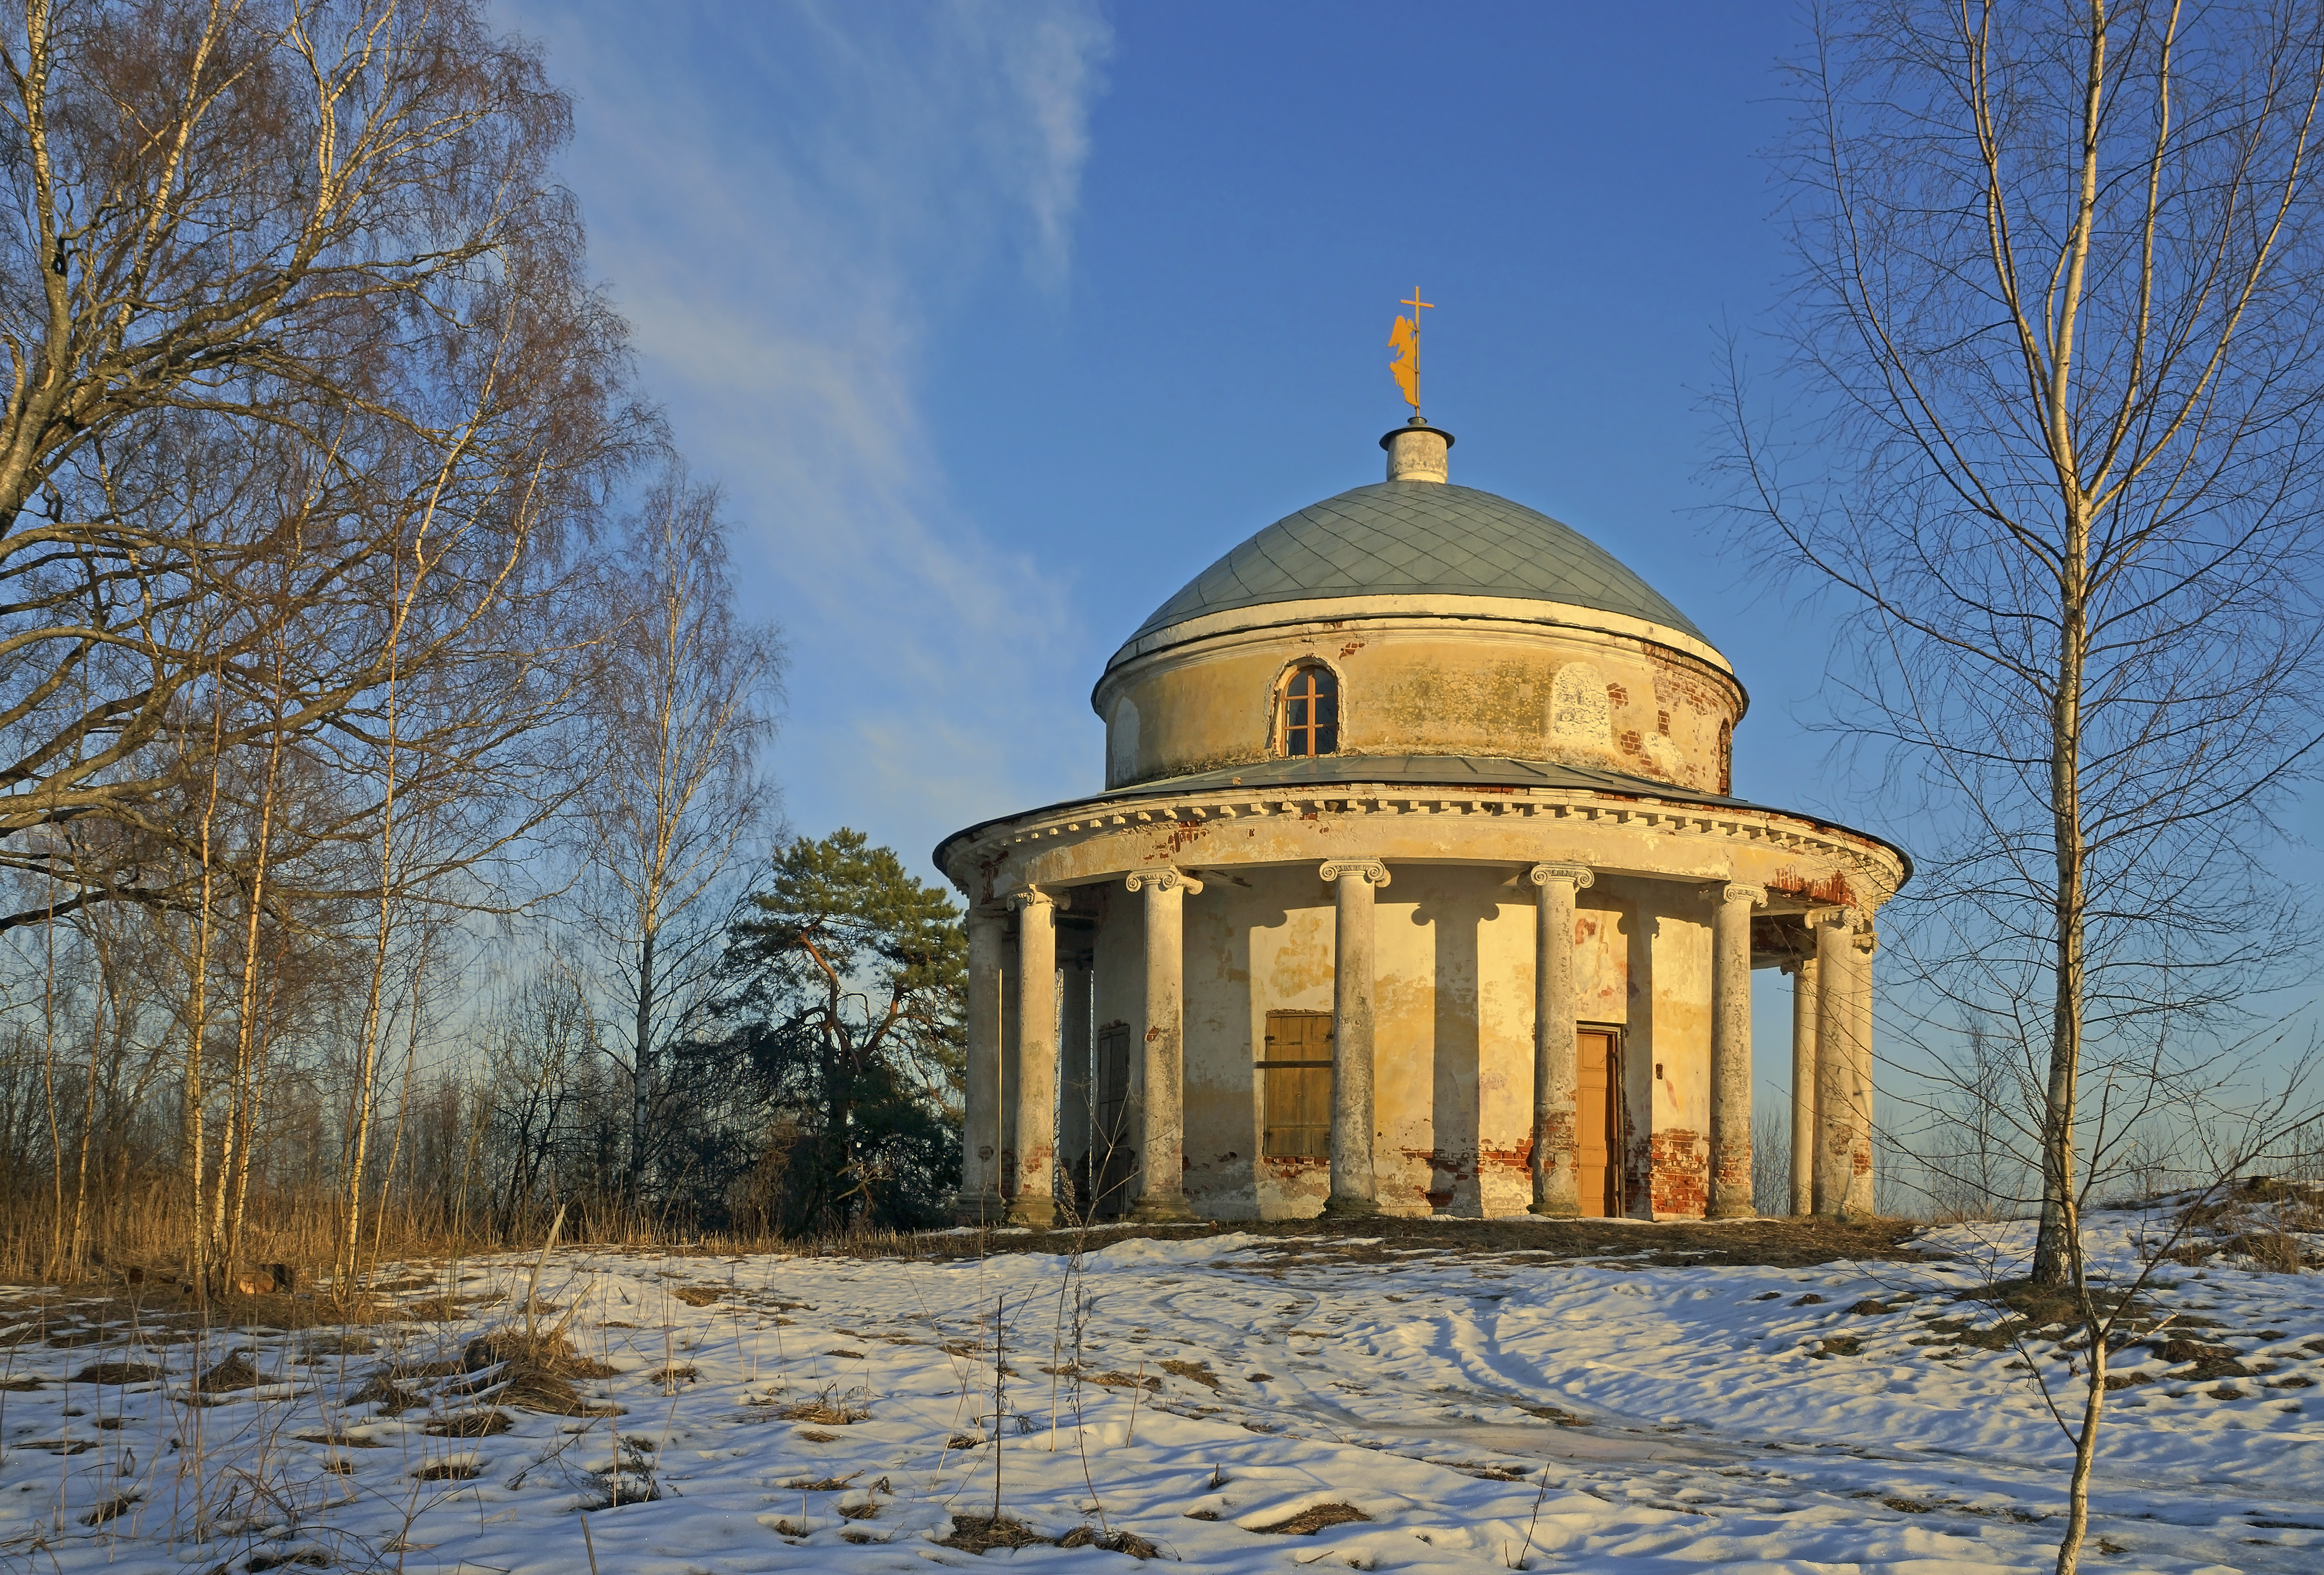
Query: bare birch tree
x=309, y=393
x=253, y=252
x=680, y=705
x=2056, y=364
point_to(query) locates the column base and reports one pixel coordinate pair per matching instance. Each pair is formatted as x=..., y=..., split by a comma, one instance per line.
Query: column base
x=1350, y=1208
x=1556, y=1210
x=978, y=1209
x=1732, y=1211
x=1170, y=1208
x=1034, y=1212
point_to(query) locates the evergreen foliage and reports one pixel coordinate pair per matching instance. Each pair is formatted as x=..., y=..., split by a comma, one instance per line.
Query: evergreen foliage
x=839, y=1077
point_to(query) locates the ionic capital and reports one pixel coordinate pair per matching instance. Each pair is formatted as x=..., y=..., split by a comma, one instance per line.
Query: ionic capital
x=1371, y=869
x=1737, y=892
x=1867, y=940
x=1577, y=876
x=1838, y=918
x=1034, y=897
x=1163, y=880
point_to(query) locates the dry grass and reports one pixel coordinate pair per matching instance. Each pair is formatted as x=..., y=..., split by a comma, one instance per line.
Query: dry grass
x=540, y=1370
x=981, y=1534
x=449, y=1471
x=1199, y=1372
x=117, y=1505
x=824, y=1411
x=236, y=1372
x=1112, y=1542
x=1312, y=1519
x=2274, y=1251
x=1148, y=1382
x=470, y=1424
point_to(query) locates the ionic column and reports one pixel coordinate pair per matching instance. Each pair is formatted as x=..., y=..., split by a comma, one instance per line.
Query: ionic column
x=1033, y=1196
x=1162, y=1112
x=1730, y=1050
x=979, y=1202
x=1804, y=1085
x=1860, y=1190
x=1355, y=1177
x=1835, y=1061
x=1556, y=1059
x=1076, y=1079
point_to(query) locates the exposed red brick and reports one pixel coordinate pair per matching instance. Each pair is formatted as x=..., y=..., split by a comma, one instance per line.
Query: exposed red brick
x=1681, y=1173
x=1833, y=889
x=1517, y=1157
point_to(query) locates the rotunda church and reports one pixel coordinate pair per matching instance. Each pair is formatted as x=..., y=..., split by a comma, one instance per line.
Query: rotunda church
x=1418, y=885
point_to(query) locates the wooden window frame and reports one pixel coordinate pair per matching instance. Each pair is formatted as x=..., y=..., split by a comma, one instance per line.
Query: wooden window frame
x=1283, y=701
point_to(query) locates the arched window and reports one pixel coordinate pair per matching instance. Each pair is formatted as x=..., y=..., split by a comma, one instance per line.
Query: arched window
x=1310, y=711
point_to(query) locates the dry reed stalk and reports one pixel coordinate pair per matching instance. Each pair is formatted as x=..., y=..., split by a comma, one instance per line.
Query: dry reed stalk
x=1137, y=1393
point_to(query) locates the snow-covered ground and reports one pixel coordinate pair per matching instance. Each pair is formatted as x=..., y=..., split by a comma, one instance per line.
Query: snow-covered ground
x=1482, y=1410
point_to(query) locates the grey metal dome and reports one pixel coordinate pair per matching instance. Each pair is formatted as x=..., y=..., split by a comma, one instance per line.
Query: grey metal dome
x=1418, y=538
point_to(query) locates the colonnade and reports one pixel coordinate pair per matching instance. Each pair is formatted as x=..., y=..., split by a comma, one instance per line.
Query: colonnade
x=1017, y=1111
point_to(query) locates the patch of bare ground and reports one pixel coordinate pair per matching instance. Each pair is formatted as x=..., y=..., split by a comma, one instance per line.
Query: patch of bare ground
x=449, y=1471
x=981, y=1534
x=1758, y=1242
x=236, y=1372
x=696, y=1295
x=117, y=1505
x=469, y=1424
x=162, y=1311
x=1112, y=1542
x=1312, y=1519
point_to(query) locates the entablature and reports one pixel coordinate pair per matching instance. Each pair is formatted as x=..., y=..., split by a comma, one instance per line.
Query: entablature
x=1805, y=864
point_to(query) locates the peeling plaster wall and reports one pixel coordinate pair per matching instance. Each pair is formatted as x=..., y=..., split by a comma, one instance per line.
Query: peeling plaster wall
x=1453, y=1013
x=1671, y=1150
x=1440, y=688
x=1601, y=959
x=1251, y=949
x=1503, y=1182
x=1454, y=973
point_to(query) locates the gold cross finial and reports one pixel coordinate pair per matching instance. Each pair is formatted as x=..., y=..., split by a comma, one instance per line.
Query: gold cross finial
x=1405, y=340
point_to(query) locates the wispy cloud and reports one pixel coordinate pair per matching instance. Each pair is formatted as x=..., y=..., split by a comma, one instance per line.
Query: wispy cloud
x=790, y=203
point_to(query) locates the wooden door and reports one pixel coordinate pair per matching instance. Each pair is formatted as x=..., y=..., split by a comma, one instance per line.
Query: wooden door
x=1599, y=1120
x=1294, y=1071
x=1116, y=1158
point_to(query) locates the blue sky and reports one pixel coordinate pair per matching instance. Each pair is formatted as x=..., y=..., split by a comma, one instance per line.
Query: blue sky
x=999, y=320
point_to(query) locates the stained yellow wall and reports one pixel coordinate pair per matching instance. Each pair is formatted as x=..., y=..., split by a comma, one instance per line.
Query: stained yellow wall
x=1438, y=688
x=1453, y=949
x=1251, y=949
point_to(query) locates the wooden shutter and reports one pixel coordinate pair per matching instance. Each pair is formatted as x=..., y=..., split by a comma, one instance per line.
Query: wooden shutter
x=1296, y=1085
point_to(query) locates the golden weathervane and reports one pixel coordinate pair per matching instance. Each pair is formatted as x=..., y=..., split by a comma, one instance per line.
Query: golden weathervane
x=1405, y=340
